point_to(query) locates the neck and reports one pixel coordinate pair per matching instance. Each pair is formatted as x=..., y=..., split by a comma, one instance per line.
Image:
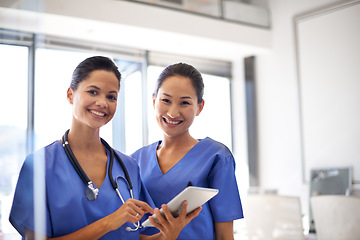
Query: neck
x=84, y=138
x=181, y=141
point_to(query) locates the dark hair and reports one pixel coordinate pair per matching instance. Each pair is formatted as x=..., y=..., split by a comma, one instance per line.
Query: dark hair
x=184, y=70
x=83, y=70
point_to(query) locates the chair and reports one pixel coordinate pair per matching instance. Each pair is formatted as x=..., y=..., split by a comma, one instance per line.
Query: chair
x=273, y=217
x=336, y=217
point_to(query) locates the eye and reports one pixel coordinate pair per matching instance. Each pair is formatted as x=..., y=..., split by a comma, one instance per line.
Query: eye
x=165, y=100
x=92, y=92
x=185, y=103
x=112, y=97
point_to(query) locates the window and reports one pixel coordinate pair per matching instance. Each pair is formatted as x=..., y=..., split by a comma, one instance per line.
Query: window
x=53, y=71
x=13, y=125
x=130, y=109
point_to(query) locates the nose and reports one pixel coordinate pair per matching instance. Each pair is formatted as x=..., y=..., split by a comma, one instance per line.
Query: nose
x=173, y=112
x=102, y=102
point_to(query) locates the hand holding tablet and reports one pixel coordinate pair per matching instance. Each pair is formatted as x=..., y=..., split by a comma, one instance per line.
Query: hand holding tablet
x=195, y=196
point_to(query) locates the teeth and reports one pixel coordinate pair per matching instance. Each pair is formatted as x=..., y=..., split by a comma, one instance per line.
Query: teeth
x=171, y=122
x=97, y=113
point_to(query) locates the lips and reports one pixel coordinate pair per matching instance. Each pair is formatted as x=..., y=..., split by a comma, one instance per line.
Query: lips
x=172, y=122
x=97, y=113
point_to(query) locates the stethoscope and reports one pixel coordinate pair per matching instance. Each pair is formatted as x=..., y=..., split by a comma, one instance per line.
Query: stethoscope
x=91, y=192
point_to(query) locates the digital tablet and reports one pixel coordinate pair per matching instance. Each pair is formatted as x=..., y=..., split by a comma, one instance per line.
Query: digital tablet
x=195, y=196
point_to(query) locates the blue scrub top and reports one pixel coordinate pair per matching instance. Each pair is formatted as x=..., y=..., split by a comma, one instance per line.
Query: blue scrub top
x=208, y=164
x=66, y=207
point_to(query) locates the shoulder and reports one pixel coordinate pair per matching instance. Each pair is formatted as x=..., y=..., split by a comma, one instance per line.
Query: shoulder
x=38, y=158
x=216, y=153
x=44, y=154
x=216, y=147
x=145, y=151
x=126, y=159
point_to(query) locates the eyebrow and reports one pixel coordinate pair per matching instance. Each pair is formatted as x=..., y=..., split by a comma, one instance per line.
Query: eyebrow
x=93, y=86
x=168, y=95
x=96, y=87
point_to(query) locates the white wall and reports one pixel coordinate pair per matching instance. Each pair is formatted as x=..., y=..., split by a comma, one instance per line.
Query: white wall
x=278, y=103
x=330, y=123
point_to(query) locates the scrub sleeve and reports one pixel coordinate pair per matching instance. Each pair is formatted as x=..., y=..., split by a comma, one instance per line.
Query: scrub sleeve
x=65, y=207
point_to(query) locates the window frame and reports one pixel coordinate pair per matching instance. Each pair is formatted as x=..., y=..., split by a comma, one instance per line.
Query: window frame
x=142, y=57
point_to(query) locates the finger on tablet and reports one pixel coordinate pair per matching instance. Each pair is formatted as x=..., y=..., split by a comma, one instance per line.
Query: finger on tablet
x=183, y=209
x=167, y=213
x=194, y=213
x=159, y=221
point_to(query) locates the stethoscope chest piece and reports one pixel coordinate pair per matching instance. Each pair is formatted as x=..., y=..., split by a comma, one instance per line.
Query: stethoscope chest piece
x=91, y=192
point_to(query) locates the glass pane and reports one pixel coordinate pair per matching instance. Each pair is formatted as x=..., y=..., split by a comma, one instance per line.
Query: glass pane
x=207, y=7
x=240, y=11
x=217, y=109
x=133, y=112
x=13, y=124
x=255, y=13
x=53, y=113
x=155, y=133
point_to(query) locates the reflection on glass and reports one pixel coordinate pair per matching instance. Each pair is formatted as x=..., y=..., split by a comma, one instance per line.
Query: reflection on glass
x=254, y=12
x=207, y=7
x=133, y=112
x=155, y=133
x=216, y=112
x=13, y=124
x=246, y=13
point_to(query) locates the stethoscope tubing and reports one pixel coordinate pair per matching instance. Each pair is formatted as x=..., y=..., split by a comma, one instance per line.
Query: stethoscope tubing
x=71, y=157
x=87, y=180
x=112, y=154
x=81, y=172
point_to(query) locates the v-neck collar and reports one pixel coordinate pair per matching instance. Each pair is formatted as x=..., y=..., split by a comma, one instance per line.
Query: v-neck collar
x=107, y=167
x=180, y=162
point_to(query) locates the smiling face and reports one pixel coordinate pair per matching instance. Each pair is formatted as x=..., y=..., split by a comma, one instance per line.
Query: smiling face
x=176, y=105
x=95, y=99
